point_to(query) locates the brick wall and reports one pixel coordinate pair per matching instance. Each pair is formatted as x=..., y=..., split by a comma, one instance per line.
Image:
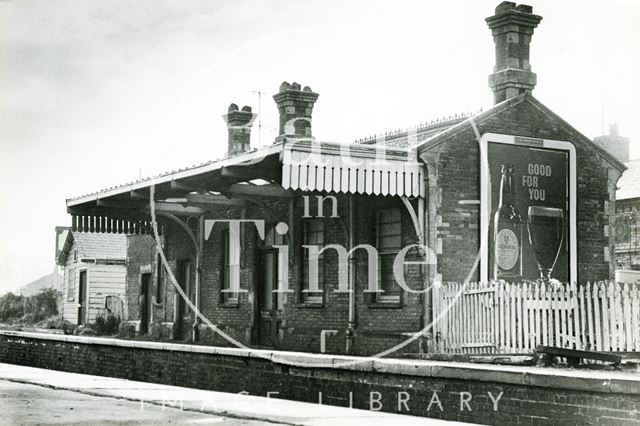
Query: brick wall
x=141, y=258
x=458, y=164
x=377, y=328
x=447, y=391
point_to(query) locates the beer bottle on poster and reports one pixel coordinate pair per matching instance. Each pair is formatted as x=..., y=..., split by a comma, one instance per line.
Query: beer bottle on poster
x=507, y=231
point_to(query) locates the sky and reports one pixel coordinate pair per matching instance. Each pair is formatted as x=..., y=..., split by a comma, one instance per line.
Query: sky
x=95, y=93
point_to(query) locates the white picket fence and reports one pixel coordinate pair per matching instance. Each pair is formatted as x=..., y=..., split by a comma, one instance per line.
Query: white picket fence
x=515, y=318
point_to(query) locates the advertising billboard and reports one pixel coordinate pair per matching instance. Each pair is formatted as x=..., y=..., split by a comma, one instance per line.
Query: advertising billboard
x=528, y=209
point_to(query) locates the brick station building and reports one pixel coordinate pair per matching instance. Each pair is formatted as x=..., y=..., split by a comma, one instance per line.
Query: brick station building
x=435, y=185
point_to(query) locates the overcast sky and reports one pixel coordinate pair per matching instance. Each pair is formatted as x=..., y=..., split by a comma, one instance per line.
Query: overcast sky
x=95, y=93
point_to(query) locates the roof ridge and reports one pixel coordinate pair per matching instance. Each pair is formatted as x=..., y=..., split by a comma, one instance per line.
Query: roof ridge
x=420, y=127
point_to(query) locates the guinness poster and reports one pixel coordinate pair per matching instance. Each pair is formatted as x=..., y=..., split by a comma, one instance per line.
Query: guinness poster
x=527, y=209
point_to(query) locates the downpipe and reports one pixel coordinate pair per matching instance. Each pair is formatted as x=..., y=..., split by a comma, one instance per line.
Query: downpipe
x=195, y=332
x=351, y=326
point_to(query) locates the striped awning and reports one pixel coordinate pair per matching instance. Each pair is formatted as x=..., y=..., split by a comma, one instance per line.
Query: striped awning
x=351, y=169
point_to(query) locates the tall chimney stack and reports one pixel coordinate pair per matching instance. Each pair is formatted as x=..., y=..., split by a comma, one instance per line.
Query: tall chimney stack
x=295, y=106
x=239, y=124
x=512, y=27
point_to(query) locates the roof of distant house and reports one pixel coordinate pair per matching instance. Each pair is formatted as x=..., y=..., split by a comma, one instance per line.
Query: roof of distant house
x=629, y=183
x=95, y=245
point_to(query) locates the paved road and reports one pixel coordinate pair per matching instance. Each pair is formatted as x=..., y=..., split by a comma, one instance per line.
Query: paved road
x=26, y=404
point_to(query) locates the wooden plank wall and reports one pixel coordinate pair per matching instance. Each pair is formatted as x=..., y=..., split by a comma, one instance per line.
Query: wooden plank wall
x=102, y=281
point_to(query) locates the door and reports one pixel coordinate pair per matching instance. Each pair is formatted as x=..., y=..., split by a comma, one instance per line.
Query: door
x=145, y=302
x=269, y=303
x=181, y=311
x=82, y=298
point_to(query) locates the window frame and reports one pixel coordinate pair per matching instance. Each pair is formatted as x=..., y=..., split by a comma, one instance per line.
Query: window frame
x=226, y=299
x=302, y=295
x=71, y=284
x=388, y=299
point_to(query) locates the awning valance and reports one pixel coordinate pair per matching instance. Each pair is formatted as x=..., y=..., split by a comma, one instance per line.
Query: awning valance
x=348, y=169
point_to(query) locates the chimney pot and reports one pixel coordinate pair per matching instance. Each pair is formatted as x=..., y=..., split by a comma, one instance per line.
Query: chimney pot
x=504, y=6
x=524, y=8
x=232, y=107
x=246, y=108
x=284, y=86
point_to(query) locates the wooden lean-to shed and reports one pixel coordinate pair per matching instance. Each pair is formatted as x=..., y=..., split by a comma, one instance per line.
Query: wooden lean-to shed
x=94, y=275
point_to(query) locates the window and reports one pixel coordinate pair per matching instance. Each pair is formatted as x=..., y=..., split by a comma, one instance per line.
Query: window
x=389, y=243
x=313, y=235
x=227, y=270
x=71, y=289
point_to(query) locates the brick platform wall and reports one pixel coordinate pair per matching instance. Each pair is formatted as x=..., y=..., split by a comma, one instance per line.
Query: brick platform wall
x=451, y=391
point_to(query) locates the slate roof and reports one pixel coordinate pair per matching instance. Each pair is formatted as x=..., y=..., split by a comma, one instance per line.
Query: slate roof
x=421, y=132
x=629, y=183
x=429, y=134
x=94, y=245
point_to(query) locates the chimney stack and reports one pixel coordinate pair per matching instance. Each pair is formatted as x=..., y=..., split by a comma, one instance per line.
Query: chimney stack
x=616, y=145
x=512, y=27
x=239, y=124
x=295, y=106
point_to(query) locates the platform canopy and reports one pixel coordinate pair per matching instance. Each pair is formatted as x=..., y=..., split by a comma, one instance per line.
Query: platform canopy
x=283, y=170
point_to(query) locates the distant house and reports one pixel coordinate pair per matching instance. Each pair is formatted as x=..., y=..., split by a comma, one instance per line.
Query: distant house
x=628, y=219
x=94, y=275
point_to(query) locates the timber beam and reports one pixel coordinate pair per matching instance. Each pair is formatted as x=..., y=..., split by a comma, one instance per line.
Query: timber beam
x=269, y=190
x=139, y=194
x=177, y=208
x=180, y=186
x=212, y=199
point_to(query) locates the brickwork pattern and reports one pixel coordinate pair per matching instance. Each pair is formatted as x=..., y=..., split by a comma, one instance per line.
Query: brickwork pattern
x=377, y=329
x=517, y=404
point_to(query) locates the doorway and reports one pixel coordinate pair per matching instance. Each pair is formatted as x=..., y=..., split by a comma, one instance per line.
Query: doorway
x=269, y=303
x=145, y=302
x=181, y=311
x=82, y=298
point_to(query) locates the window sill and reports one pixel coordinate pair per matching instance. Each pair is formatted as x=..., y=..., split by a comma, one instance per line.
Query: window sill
x=229, y=305
x=310, y=305
x=385, y=305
